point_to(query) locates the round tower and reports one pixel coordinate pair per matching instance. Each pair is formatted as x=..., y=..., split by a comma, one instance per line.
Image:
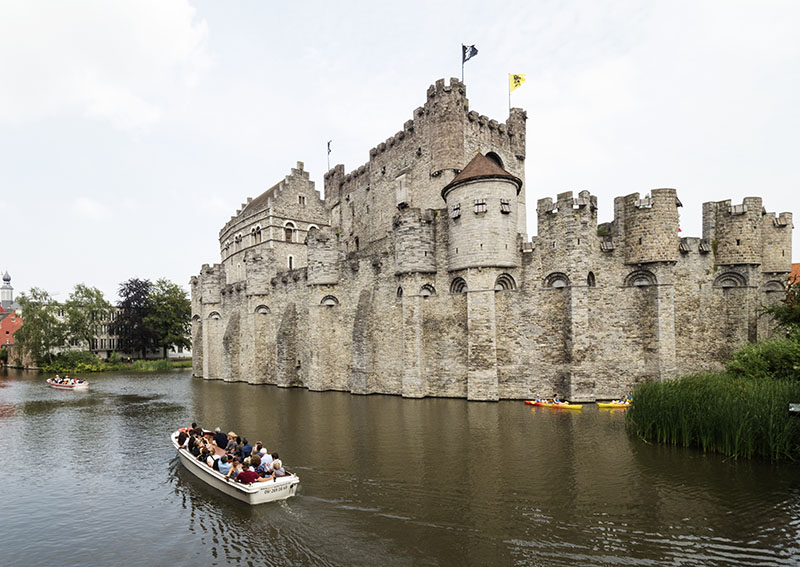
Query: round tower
x=482, y=210
x=414, y=241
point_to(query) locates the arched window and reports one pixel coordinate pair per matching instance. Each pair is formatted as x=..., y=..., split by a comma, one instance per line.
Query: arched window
x=195, y=318
x=556, y=280
x=774, y=285
x=427, y=290
x=458, y=285
x=399, y=292
x=262, y=310
x=504, y=282
x=495, y=158
x=329, y=301
x=214, y=315
x=640, y=278
x=590, y=279
x=291, y=262
x=255, y=233
x=730, y=279
x=237, y=241
x=288, y=232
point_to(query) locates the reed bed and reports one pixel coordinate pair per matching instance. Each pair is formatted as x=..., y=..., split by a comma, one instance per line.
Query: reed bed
x=720, y=412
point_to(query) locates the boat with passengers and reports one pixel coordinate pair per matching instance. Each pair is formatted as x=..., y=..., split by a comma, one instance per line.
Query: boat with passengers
x=279, y=488
x=67, y=383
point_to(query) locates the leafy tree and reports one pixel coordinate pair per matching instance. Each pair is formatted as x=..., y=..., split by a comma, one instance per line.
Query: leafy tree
x=787, y=312
x=42, y=332
x=132, y=332
x=169, y=315
x=85, y=311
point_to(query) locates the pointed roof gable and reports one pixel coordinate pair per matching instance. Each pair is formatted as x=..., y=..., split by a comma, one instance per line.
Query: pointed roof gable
x=481, y=167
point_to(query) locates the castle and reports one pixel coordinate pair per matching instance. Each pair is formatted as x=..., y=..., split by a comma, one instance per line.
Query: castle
x=414, y=276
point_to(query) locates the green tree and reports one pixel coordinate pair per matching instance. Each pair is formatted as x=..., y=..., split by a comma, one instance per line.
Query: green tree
x=169, y=315
x=85, y=311
x=132, y=332
x=787, y=312
x=43, y=332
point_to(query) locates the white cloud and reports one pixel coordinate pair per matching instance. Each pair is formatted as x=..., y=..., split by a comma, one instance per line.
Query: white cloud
x=90, y=209
x=115, y=61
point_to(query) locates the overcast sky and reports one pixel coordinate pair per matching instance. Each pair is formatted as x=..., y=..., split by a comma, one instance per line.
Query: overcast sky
x=130, y=132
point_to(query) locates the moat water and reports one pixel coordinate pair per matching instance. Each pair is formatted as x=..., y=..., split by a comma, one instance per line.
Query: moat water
x=91, y=479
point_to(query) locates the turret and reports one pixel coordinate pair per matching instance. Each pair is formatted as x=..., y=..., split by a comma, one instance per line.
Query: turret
x=414, y=241
x=567, y=230
x=776, y=242
x=482, y=210
x=734, y=231
x=649, y=226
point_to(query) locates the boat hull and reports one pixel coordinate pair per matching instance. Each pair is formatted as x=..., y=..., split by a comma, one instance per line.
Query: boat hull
x=563, y=405
x=256, y=493
x=613, y=405
x=84, y=386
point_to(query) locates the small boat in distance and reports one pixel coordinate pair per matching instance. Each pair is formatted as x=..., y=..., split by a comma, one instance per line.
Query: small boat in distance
x=615, y=404
x=255, y=493
x=551, y=404
x=67, y=383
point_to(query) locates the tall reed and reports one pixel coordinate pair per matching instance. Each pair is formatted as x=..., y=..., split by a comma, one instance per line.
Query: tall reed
x=733, y=415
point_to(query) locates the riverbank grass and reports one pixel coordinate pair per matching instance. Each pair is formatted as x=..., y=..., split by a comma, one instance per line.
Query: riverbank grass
x=722, y=413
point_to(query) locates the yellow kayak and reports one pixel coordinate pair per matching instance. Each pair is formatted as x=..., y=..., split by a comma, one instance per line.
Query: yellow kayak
x=615, y=404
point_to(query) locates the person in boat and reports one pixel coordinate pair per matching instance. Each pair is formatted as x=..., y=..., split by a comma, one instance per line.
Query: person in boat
x=538, y=399
x=265, y=468
x=224, y=467
x=236, y=468
x=220, y=438
x=245, y=449
x=182, y=438
x=556, y=399
x=277, y=469
x=231, y=446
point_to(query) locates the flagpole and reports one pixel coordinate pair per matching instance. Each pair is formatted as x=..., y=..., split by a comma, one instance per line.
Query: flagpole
x=509, y=94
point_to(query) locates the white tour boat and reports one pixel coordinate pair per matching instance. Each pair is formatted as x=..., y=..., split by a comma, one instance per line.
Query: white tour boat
x=69, y=385
x=255, y=493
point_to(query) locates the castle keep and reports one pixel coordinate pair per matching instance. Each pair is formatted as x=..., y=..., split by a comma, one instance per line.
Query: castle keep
x=414, y=276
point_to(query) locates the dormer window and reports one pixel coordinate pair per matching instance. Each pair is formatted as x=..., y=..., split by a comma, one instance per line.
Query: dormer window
x=480, y=206
x=455, y=211
x=505, y=206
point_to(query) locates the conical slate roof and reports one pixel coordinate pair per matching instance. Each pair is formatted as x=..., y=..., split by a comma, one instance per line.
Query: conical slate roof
x=481, y=167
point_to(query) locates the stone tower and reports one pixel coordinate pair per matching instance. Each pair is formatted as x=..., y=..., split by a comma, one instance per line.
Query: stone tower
x=482, y=244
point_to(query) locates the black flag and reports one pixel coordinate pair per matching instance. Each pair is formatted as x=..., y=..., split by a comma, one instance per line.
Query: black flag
x=468, y=52
x=329, y=146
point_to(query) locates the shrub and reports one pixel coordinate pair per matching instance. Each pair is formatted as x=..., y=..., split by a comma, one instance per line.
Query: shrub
x=774, y=359
x=74, y=362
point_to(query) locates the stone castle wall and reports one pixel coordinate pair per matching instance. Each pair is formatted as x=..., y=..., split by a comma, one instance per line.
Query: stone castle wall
x=380, y=301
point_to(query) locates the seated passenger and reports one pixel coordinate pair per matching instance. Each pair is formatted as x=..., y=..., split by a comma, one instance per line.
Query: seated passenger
x=231, y=445
x=245, y=449
x=224, y=466
x=277, y=469
x=247, y=476
x=220, y=438
x=236, y=468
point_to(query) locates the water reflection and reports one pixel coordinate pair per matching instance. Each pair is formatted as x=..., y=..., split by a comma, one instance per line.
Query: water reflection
x=383, y=481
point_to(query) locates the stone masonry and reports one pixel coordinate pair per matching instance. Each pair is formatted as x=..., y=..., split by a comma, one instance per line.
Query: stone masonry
x=414, y=276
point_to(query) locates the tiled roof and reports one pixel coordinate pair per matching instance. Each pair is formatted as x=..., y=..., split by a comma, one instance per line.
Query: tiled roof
x=481, y=167
x=795, y=275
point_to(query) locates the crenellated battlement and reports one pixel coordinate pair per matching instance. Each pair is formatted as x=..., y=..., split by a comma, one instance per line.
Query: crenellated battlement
x=415, y=276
